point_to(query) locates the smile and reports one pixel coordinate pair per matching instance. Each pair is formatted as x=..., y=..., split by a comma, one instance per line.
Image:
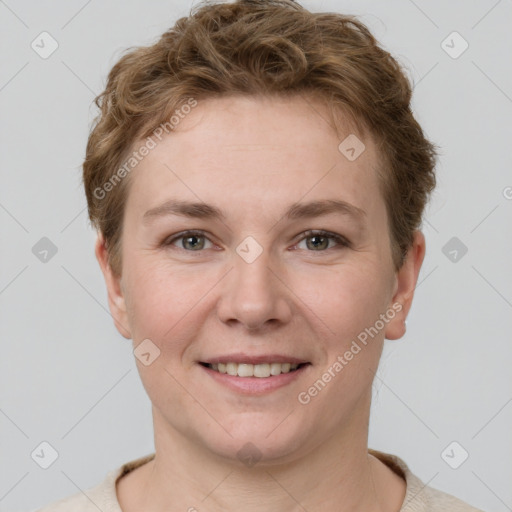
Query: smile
x=254, y=370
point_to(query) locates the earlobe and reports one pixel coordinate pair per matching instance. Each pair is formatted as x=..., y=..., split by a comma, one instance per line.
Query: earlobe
x=406, y=279
x=116, y=297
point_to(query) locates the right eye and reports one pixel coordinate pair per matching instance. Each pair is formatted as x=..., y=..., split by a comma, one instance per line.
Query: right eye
x=191, y=241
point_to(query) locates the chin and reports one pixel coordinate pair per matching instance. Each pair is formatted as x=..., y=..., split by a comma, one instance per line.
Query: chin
x=257, y=440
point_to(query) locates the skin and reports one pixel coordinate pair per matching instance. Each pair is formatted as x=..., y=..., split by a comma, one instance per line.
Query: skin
x=252, y=158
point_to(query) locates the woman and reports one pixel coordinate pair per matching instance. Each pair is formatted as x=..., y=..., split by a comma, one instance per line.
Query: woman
x=257, y=180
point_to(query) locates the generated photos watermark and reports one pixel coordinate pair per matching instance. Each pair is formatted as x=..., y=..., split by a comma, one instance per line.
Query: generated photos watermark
x=304, y=397
x=149, y=144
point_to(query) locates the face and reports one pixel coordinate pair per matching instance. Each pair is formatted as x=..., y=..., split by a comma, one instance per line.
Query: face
x=286, y=258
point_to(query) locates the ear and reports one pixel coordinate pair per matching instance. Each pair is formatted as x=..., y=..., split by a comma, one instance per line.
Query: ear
x=116, y=300
x=406, y=279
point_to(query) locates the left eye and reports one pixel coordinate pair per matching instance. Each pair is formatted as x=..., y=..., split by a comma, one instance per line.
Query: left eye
x=320, y=240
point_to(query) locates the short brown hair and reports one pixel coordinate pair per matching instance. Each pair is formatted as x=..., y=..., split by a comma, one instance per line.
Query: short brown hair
x=252, y=47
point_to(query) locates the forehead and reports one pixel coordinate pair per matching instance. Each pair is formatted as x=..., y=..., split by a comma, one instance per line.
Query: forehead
x=236, y=150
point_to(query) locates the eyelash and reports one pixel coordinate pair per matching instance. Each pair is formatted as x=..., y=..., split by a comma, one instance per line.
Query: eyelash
x=341, y=241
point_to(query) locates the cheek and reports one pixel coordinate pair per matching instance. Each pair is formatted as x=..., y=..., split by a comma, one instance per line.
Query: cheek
x=350, y=302
x=345, y=299
x=160, y=298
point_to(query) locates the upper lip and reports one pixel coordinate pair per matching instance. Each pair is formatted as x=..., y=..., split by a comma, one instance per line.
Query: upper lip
x=254, y=359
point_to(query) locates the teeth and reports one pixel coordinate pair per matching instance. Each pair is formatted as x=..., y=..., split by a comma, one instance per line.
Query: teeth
x=253, y=370
x=231, y=368
x=245, y=370
x=275, y=368
x=261, y=370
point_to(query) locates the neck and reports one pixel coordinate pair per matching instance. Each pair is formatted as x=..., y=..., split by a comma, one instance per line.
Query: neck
x=337, y=475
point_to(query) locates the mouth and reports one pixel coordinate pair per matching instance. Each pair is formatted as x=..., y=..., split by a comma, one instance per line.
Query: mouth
x=261, y=370
x=255, y=375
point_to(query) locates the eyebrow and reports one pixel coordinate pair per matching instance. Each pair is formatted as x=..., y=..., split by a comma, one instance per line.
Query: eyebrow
x=294, y=212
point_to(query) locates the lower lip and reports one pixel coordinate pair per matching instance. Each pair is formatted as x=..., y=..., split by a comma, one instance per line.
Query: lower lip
x=255, y=385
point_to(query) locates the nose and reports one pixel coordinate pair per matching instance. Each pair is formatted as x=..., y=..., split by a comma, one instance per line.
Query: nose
x=255, y=295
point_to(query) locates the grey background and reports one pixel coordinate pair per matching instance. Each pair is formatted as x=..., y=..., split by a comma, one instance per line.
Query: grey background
x=66, y=375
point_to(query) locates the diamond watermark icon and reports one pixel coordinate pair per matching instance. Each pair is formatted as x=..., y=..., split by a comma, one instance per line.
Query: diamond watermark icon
x=44, y=455
x=454, y=455
x=146, y=352
x=44, y=45
x=249, y=250
x=351, y=147
x=454, y=249
x=249, y=454
x=44, y=250
x=454, y=45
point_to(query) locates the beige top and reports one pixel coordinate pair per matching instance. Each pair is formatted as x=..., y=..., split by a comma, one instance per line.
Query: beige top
x=418, y=497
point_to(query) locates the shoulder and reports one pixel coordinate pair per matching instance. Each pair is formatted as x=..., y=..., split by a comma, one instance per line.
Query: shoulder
x=420, y=497
x=437, y=500
x=90, y=500
x=100, y=497
x=76, y=502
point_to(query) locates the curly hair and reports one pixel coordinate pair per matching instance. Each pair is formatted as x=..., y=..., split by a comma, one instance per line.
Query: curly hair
x=251, y=47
